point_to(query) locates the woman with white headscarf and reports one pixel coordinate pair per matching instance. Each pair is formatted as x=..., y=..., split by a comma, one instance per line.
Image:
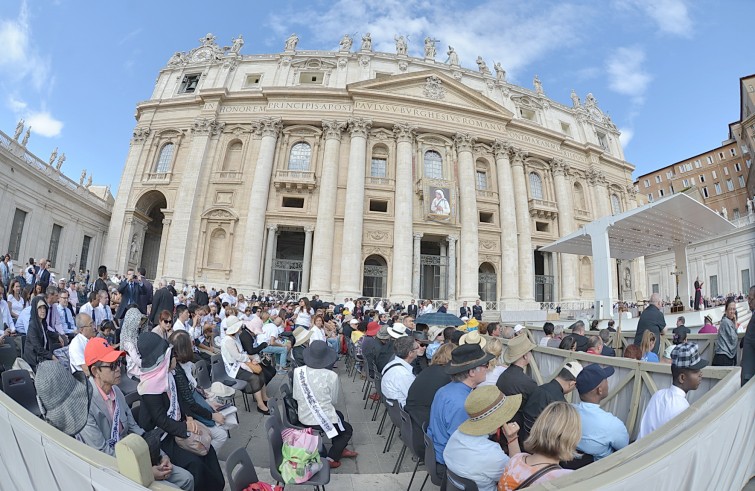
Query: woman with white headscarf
x=129, y=335
x=440, y=205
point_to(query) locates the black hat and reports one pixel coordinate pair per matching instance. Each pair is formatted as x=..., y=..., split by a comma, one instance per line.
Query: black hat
x=467, y=357
x=319, y=355
x=152, y=349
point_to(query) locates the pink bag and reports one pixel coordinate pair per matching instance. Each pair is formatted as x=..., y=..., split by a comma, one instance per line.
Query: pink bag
x=304, y=439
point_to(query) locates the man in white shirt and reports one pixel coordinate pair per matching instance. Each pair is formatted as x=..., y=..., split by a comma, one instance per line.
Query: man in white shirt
x=666, y=404
x=90, y=308
x=73, y=295
x=103, y=312
x=269, y=335
x=348, y=304
x=65, y=321
x=76, y=349
x=182, y=315
x=398, y=374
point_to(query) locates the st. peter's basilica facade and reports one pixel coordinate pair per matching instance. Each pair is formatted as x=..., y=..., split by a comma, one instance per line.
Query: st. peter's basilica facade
x=356, y=173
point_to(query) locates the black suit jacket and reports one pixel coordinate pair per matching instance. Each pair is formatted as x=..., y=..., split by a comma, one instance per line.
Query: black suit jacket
x=202, y=298
x=44, y=279
x=477, y=312
x=162, y=300
x=145, y=296
x=412, y=310
x=128, y=296
x=465, y=312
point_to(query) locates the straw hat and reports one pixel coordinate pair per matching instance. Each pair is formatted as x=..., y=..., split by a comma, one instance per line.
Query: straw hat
x=488, y=410
x=473, y=337
x=233, y=325
x=219, y=389
x=301, y=336
x=433, y=332
x=517, y=348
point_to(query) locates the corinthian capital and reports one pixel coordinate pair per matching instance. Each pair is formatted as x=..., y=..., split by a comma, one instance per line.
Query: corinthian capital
x=359, y=127
x=267, y=127
x=559, y=167
x=404, y=131
x=140, y=134
x=333, y=129
x=464, y=142
x=501, y=148
x=517, y=156
x=205, y=126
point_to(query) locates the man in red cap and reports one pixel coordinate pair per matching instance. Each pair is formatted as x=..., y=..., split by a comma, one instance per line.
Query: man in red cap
x=110, y=419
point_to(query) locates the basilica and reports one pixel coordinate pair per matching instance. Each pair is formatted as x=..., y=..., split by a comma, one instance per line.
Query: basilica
x=355, y=173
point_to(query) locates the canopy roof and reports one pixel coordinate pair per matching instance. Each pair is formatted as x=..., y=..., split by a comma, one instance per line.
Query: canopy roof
x=659, y=226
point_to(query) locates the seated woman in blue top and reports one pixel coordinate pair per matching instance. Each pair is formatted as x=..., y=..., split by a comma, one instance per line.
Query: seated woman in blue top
x=647, y=345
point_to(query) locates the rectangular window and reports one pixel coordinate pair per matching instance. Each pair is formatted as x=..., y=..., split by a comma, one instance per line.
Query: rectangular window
x=85, y=253
x=715, y=174
x=289, y=202
x=702, y=177
x=311, y=78
x=733, y=152
x=736, y=213
x=718, y=188
x=189, y=84
x=688, y=166
x=565, y=128
x=378, y=167
x=749, y=163
x=721, y=155
x=252, y=80
x=16, y=232
x=685, y=183
x=698, y=164
x=482, y=180
x=713, y=285
x=729, y=185
x=658, y=179
x=527, y=114
x=52, y=251
x=745, y=275
x=669, y=174
x=602, y=141
x=647, y=183
x=660, y=193
x=726, y=171
x=705, y=192
x=655, y=288
x=738, y=167
x=650, y=198
x=692, y=181
x=379, y=205
x=710, y=159
x=486, y=217
x=741, y=181
x=541, y=226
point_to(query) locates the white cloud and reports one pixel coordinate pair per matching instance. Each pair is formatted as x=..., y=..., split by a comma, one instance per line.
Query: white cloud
x=626, y=74
x=43, y=123
x=19, y=60
x=626, y=136
x=514, y=33
x=671, y=16
x=16, y=105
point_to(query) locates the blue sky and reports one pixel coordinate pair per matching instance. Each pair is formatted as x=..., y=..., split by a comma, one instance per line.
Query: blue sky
x=666, y=71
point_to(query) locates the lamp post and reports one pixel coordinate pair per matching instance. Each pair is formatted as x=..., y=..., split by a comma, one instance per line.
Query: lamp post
x=678, y=306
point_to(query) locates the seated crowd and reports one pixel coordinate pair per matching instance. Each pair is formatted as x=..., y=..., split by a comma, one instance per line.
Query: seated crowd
x=488, y=419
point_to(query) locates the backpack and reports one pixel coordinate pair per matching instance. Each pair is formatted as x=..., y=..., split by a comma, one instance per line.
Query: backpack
x=301, y=456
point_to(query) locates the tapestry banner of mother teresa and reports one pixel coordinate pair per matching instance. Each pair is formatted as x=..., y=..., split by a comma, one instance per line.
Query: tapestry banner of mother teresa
x=440, y=204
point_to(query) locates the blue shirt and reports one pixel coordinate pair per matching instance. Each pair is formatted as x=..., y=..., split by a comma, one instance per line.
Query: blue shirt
x=446, y=414
x=602, y=432
x=651, y=357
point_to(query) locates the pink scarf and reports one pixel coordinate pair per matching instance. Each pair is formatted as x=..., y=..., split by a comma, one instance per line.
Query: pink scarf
x=159, y=380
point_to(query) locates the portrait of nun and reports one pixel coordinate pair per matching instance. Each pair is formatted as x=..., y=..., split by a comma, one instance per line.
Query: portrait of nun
x=439, y=205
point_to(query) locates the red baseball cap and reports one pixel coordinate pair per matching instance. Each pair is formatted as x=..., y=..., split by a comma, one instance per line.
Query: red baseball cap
x=98, y=349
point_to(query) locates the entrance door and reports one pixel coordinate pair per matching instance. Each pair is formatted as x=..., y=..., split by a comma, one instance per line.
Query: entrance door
x=289, y=261
x=543, y=281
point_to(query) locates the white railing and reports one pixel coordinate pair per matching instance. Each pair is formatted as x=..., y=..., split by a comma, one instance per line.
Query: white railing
x=484, y=193
x=379, y=181
x=295, y=175
x=229, y=175
x=160, y=177
x=542, y=204
x=743, y=221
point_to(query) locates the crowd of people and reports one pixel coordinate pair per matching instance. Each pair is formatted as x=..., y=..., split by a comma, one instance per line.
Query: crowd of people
x=469, y=386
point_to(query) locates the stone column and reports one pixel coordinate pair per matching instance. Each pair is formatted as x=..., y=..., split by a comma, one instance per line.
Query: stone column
x=568, y=276
x=523, y=227
x=639, y=276
x=269, y=256
x=268, y=129
x=416, y=264
x=452, y=267
x=322, y=264
x=469, y=243
x=307, y=263
x=507, y=207
x=181, y=267
x=401, y=281
x=351, y=251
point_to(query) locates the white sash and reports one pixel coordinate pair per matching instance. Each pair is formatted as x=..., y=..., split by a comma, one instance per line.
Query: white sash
x=314, y=406
x=115, y=433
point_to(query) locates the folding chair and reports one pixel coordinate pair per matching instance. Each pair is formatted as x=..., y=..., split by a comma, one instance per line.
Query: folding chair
x=19, y=387
x=245, y=475
x=455, y=482
x=275, y=446
x=219, y=375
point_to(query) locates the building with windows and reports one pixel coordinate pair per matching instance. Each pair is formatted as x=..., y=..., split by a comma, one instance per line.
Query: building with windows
x=357, y=173
x=743, y=131
x=46, y=214
x=719, y=174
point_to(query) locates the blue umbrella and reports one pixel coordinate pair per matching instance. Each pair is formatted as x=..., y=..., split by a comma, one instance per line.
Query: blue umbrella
x=439, y=319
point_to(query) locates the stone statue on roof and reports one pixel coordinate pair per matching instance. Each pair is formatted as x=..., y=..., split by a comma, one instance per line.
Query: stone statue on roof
x=60, y=161
x=538, y=85
x=53, y=156
x=82, y=177
x=89, y=181
x=237, y=44
x=430, y=50
x=500, y=73
x=575, y=99
x=345, y=44
x=401, y=46
x=291, y=42
x=453, y=56
x=482, y=66
x=367, y=42
x=26, y=137
x=19, y=130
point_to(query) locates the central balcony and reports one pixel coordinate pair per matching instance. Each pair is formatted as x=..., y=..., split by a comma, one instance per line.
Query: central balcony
x=295, y=180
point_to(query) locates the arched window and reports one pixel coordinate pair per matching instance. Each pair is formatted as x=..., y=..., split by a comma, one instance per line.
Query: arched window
x=233, y=156
x=536, y=186
x=579, y=197
x=300, y=156
x=216, y=253
x=165, y=158
x=487, y=282
x=433, y=165
x=379, y=162
x=585, y=273
x=481, y=175
x=375, y=278
x=615, y=204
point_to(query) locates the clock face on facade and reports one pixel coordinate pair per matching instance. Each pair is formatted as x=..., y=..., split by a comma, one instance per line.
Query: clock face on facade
x=202, y=54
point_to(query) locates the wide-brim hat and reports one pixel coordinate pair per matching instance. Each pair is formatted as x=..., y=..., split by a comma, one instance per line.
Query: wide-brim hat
x=301, y=336
x=152, y=349
x=372, y=329
x=233, y=325
x=473, y=337
x=383, y=333
x=397, y=330
x=63, y=401
x=222, y=390
x=518, y=347
x=467, y=357
x=488, y=410
x=319, y=355
x=433, y=332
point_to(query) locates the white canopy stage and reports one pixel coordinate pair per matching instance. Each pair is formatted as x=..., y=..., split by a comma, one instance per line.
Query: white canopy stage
x=672, y=223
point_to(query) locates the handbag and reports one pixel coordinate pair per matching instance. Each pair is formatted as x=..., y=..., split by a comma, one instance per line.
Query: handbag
x=301, y=456
x=255, y=367
x=199, y=399
x=262, y=486
x=196, y=443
